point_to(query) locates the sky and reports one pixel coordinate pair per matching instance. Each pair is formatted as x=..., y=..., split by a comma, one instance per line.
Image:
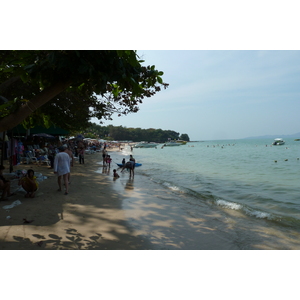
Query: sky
x=222, y=94
x=237, y=82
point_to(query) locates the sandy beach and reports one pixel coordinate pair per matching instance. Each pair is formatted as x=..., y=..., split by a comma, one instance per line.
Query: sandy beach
x=90, y=217
x=102, y=213
x=99, y=213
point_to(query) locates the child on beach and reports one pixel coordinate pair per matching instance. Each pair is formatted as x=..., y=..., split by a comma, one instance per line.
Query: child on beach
x=108, y=160
x=29, y=184
x=115, y=175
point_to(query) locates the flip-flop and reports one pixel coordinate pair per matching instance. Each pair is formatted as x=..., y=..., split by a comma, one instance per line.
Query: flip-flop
x=66, y=193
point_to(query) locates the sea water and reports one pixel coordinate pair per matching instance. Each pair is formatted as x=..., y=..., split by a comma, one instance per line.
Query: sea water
x=251, y=176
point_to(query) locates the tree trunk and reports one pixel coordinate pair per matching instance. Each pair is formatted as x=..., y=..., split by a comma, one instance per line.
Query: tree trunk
x=27, y=109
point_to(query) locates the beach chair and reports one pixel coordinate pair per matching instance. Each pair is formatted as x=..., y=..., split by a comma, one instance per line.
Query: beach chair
x=25, y=159
x=31, y=157
x=88, y=151
x=43, y=159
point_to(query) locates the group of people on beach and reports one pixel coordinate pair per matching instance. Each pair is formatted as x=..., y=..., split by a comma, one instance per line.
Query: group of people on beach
x=130, y=165
x=61, y=165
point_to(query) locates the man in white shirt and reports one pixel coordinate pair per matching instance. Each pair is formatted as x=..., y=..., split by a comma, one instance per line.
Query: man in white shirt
x=70, y=153
x=62, y=168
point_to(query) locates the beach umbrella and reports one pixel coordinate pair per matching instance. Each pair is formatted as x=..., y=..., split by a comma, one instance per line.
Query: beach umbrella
x=80, y=137
x=44, y=135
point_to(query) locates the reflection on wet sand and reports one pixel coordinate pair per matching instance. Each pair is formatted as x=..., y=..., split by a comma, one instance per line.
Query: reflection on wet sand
x=129, y=184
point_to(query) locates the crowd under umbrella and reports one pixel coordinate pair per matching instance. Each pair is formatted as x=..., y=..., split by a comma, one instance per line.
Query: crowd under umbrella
x=44, y=135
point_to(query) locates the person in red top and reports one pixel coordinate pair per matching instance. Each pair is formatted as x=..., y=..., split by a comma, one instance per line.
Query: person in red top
x=108, y=160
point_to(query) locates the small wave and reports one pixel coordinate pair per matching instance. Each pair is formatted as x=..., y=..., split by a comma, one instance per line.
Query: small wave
x=230, y=205
x=247, y=210
x=259, y=214
x=207, y=197
x=172, y=187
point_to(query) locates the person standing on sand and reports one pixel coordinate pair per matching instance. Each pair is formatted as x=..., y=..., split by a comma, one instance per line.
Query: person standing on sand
x=104, y=153
x=4, y=185
x=81, y=155
x=62, y=168
x=132, y=160
x=130, y=165
x=108, y=160
x=70, y=153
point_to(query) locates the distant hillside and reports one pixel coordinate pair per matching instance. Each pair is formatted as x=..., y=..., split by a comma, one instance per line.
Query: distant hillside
x=295, y=135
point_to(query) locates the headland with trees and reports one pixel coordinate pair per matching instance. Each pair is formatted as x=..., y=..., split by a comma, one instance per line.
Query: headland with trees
x=121, y=133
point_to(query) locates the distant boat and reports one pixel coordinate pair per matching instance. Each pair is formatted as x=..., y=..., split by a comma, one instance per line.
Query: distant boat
x=296, y=139
x=145, y=145
x=278, y=141
x=172, y=143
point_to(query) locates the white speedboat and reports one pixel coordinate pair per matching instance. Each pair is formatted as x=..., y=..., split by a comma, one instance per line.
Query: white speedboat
x=278, y=141
x=172, y=143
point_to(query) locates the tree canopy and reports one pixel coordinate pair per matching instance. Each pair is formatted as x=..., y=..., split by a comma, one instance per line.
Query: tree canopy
x=68, y=87
x=121, y=133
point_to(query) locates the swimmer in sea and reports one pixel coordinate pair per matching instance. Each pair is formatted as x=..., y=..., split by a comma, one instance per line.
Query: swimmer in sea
x=115, y=175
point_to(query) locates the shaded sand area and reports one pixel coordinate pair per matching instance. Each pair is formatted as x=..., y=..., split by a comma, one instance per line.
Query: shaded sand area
x=103, y=213
x=90, y=217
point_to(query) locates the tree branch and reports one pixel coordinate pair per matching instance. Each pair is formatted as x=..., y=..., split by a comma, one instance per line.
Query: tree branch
x=6, y=84
x=12, y=120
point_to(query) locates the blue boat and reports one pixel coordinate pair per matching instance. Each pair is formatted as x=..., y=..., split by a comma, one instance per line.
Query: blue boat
x=136, y=165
